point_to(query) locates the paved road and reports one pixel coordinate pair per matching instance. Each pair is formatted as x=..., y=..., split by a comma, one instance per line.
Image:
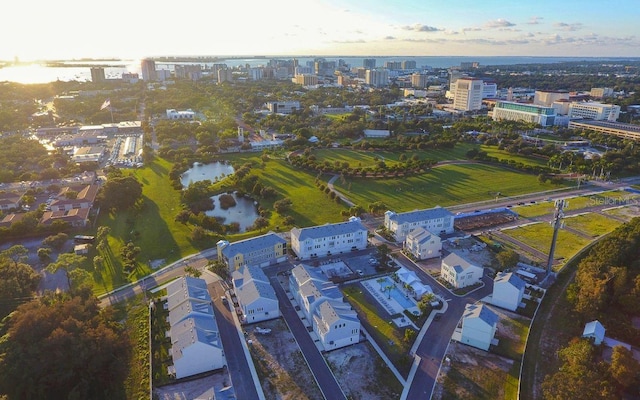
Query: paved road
x=326, y=380
x=236, y=361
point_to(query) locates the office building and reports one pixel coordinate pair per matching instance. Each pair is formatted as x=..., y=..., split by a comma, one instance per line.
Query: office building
x=546, y=98
x=595, y=111
x=283, y=107
x=510, y=111
x=468, y=94
x=599, y=93
x=307, y=79
x=419, y=80
x=626, y=131
x=148, y=68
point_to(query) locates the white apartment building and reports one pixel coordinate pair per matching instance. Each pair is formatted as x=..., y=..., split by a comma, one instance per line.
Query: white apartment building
x=329, y=239
x=423, y=244
x=459, y=272
x=255, y=295
x=438, y=220
x=593, y=110
x=468, y=94
x=377, y=77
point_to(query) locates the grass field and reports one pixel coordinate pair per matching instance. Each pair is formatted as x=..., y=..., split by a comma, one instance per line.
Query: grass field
x=445, y=185
x=613, y=197
x=592, y=224
x=493, y=151
x=365, y=158
x=539, y=237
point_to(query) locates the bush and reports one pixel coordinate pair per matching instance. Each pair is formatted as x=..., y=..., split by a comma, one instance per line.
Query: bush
x=227, y=201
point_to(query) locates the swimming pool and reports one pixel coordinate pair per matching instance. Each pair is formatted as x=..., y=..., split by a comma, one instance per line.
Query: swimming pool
x=398, y=301
x=397, y=295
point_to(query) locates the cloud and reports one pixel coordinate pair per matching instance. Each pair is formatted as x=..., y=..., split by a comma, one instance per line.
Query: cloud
x=535, y=20
x=421, y=28
x=568, y=27
x=499, y=23
x=389, y=38
x=472, y=29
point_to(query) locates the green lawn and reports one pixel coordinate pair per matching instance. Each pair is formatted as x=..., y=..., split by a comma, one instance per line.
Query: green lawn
x=366, y=158
x=493, y=151
x=592, y=224
x=445, y=185
x=539, y=237
x=613, y=197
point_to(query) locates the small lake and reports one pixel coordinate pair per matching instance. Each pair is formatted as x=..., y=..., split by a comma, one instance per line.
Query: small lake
x=244, y=212
x=200, y=172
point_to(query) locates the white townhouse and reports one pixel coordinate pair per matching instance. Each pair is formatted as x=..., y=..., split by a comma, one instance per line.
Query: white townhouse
x=310, y=287
x=423, y=244
x=459, y=272
x=194, y=334
x=479, y=325
x=255, y=295
x=336, y=324
x=437, y=220
x=508, y=290
x=261, y=250
x=329, y=239
x=594, y=330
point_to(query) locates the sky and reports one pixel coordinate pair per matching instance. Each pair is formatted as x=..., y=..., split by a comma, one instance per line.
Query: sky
x=133, y=29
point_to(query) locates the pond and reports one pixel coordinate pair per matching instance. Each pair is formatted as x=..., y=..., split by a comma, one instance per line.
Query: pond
x=244, y=212
x=200, y=172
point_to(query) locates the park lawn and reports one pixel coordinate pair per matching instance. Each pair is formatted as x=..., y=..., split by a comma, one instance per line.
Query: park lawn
x=366, y=158
x=310, y=205
x=592, y=224
x=547, y=207
x=446, y=185
x=539, y=237
x=151, y=227
x=493, y=151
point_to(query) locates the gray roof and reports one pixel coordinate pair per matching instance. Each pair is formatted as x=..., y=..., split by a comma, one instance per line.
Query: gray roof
x=480, y=311
x=188, y=337
x=268, y=240
x=510, y=277
x=594, y=328
x=252, y=284
x=420, y=215
x=332, y=311
x=458, y=263
x=186, y=288
x=189, y=309
x=207, y=324
x=313, y=283
x=322, y=231
x=420, y=235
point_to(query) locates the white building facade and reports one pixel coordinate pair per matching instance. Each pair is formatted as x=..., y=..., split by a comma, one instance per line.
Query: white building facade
x=255, y=295
x=479, y=325
x=595, y=111
x=437, y=220
x=508, y=290
x=261, y=250
x=423, y=244
x=329, y=239
x=510, y=111
x=468, y=94
x=458, y=272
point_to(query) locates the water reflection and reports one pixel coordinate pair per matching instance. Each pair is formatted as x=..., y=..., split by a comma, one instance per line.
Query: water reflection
x=200, y=172
x=244, y=212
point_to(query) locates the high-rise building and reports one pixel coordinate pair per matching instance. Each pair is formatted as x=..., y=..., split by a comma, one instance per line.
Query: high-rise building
x=377, y=77
x=546, y=98
x=148, y=67
x=408, y=64
x=369, y=63
x=419, y=80
x=593, y=110
x=187, y=71
x=225, y=75
x=97, y=74
x=256, y=74
x=468, y=94
x=393, y=65
x=306, y=79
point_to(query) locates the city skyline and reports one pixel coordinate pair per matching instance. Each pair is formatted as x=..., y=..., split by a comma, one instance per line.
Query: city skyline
x=131, y=30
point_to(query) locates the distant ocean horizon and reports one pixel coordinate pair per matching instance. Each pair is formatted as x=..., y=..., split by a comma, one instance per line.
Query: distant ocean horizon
x=35, y=73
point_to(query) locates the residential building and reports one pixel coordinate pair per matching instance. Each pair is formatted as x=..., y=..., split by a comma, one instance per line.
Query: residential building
x=546, y=98
x=479, y=326
x=393, y=65
x=468, y=94
x=255, y=295
x=599, y=93
x=306, y=79
x=130, y=77
x=459, y=272
x=508, y=290
x=309, y=287
x=261, y=250
x=148, y=68
x=594, y=330
x=97, y=74
x=419, y=80
x=225, y=75
x=627, y=131
x=83, y=197
x=195, y=341
x=329, y=239
x=594, y=111
x=423, y=244
x=77, y=217
x=10, y=200
x=336, y=324
x=408, y=64
x=437, y=219
x=377, y=77
x=283, y=107
x=188, y=114
x=377, y=133
x=11, y=218
x=187, y=71
x=511, y=111
x=369, y=63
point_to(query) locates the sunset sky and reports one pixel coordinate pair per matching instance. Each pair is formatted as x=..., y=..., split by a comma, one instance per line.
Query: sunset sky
x=131, y=29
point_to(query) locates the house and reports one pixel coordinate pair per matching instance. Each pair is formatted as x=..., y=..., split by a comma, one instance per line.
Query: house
x=377, y=133
x=83, y=197
x=329, y=239
x=11, y=218
x=438, y=220
x=81, y=249
x=77, y=217
x=261, y=250
x=479, y=325
x=594, y=330
x=459, y=272
x=410, y=280
x=423, y=244
x=336, y=324
x=310, y=287
x=508, y=290
x=195, y=347
x=255, y=295
x=10, y=200
x=195, y=341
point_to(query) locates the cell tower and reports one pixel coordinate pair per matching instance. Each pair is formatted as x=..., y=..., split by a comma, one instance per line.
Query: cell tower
x=557, y=225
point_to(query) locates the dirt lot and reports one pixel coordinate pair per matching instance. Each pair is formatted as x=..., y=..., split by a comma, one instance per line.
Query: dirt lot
x=362, y=374
x=463, y=248
x=484, y=220
x=281, y=367
x=198, y=389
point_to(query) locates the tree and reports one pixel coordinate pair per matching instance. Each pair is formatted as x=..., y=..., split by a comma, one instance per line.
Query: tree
x=63, y=347
x=18, y=281
x=260, y=223
x=120, y=193
x=219, y=268
x=507, y=259
x=68, y=262
x=17, y=253
x=624, y=368
x=44, y=254
x=56, y=241
x=190, y=270
x=409, y=335
x=282, y=206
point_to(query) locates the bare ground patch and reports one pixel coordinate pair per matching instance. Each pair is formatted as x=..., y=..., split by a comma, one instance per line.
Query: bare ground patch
x=362, y=374
x=283, y=372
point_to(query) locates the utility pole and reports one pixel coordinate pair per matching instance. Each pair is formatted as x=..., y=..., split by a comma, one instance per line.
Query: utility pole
x=557, y=224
